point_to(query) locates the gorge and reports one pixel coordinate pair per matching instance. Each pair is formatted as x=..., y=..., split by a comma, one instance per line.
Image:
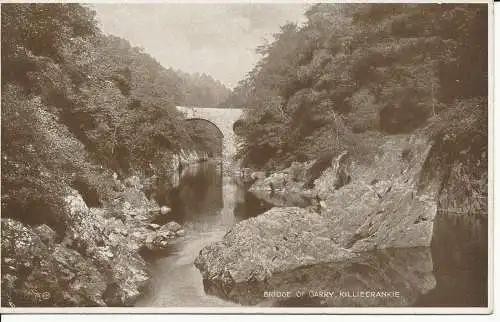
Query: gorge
x=348, y=168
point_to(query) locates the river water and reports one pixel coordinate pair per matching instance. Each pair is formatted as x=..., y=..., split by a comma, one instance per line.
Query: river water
x=451, y=273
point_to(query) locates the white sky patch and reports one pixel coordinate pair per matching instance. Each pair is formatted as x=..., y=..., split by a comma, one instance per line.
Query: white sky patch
x=216, y=39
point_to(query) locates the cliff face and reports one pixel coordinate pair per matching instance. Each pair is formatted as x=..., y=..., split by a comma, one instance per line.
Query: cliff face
x=381, y=207
x=378, y=207
x=96, y=260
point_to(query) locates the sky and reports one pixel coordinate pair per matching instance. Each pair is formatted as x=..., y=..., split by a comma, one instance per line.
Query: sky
x=216, y=39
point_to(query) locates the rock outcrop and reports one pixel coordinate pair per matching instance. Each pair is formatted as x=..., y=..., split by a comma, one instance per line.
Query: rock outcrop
x=285, y=188
x=161, y=237
x=95, y=263
x=383, y=206
x=370, y=205
x=279, y=240
x=378, y=207
x=37, y=271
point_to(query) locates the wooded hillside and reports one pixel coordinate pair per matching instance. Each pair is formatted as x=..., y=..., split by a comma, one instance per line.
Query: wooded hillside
x=78, y=105
x=354, y=71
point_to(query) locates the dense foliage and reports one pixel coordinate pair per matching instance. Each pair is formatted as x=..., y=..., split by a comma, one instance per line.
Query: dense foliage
x=354, y=71
x=202, y=90
x=78, y=106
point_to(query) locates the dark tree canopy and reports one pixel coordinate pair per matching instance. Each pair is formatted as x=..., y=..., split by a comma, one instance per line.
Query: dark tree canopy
x=358, y=68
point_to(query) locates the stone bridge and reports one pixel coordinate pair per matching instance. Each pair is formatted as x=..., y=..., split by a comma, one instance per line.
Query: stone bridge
x=222, y=118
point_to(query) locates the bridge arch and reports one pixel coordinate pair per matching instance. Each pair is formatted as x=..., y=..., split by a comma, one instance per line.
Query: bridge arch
x=222, y=118
x=208, y=121
x=207, y=137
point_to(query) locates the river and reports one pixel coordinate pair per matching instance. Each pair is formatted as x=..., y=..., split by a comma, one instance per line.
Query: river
x=451, y=273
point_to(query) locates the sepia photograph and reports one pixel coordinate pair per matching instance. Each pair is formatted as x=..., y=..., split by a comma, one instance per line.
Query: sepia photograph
x=245, y=157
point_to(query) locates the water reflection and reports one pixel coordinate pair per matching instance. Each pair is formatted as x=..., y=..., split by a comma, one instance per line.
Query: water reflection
x=407, y=273
x=282, y=199
x=203, y=202
x=197, y=192
x=202, y=190
x=248, y=205
x=460, y=254
x=453, y=272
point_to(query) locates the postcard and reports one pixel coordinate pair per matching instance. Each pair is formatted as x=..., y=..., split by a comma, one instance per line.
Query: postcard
x=233, y=157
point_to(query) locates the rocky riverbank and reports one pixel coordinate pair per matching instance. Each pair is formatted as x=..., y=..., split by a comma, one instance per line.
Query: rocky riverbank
x=95, y=262
x=355, y=206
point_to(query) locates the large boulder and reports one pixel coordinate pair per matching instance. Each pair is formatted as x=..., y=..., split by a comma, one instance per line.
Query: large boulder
x=84, y=226
x=37, y=273
x=381, y=206
x=93, y=262
x=279, y=240
x=377, y=204
x=130, y=276
x=115, y=249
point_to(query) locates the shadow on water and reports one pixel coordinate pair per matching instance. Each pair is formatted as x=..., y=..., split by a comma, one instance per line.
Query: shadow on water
x=406, y=271
x=452, y=272
x=460, y=254
x=250, y=206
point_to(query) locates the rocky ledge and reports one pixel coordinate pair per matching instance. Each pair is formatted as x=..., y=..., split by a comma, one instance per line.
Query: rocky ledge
x=360, y=207
x=96, y=261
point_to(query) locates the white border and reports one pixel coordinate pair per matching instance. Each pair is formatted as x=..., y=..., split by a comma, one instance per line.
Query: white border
x=252, y=310
x=330, y=310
